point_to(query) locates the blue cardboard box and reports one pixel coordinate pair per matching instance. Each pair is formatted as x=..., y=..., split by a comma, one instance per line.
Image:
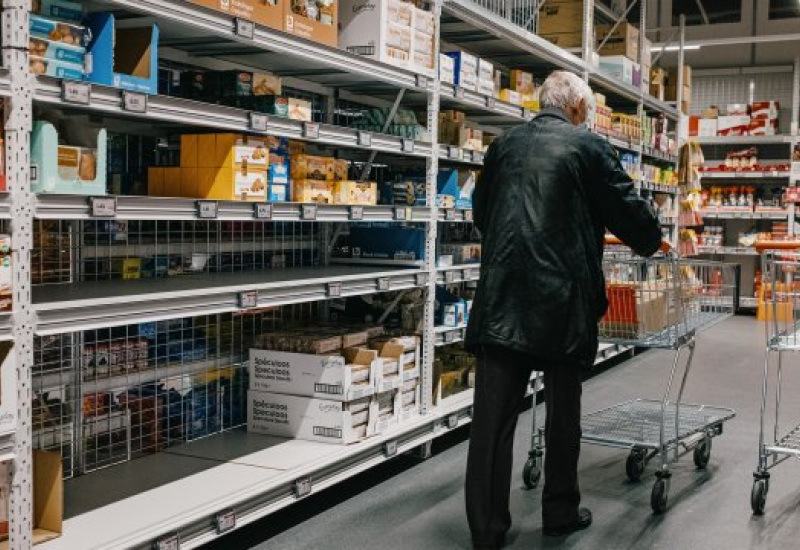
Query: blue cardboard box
x=459, y=185
x=389, y=243
x=134, y=65
x=66, y=10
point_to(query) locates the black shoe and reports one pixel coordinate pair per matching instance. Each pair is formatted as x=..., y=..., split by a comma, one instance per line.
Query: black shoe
x=584, y=520
x=500, y=542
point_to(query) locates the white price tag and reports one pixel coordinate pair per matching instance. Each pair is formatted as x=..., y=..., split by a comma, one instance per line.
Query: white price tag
x=449, y=215
x=449, y=337
x=491, y=102
x=449, y=276
x=207, y=210
x=458, y=92
x=422, y=279
x=79, y=93
x=302, y=487
x=452, y=421
x=356, y=213
x=468, y=215
x=311, y=130
x=226, y=521
x=134, y=102
x=309, y=212
x=422, y=81
x=334, y=290
x=259, y=122
x=477, y=157
x=383, y=284
x=400, y=212
x=244, y=28
x=454, y=152
x=364, y=139
x=248, y=300
x=390, y=448
x=169, y=542
x=472, y=274
x=408, y=145
x=103, y=207
x=262, y=211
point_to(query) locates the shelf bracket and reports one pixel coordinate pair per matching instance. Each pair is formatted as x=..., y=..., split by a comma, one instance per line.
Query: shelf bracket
x=389, y=119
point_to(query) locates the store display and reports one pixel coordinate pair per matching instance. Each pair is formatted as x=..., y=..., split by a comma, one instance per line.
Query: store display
x=65, y=169
x=315, y=20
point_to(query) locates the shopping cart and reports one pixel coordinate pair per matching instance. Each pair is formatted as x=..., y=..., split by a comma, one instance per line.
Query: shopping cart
x=659, y=303
x=781, y=292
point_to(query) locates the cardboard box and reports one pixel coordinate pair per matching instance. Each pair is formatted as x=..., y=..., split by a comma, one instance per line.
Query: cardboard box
x=618, y=67
x=561, y=17
x=311, y=418
x=635, y=311
x=511, y=96
x=763, y=127
x=378, y=29
x=711, y=112
x=737, y=109
x=447, y=67
x=125, y=58
x=624, y=40
x=299, y=109
x=312, y=191
x=65, y=10
x=564, y=39
x=733, y=125
x=227, y=183
x=265, y=12
x=57, y=50
x=485, y=71
x=355, y=192
x=672, y=76
x=765, y=110
x=57, y=69
x=310, y=167
x=707, y=127
x=465, y=70
x=521, y=82
x=324, y=30
x=344, y=377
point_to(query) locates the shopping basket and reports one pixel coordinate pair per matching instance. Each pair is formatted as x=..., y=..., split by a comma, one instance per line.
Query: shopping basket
x=658, y=303
x=781, y=294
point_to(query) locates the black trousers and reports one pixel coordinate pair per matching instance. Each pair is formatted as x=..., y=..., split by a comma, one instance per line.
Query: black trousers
x=501, y=382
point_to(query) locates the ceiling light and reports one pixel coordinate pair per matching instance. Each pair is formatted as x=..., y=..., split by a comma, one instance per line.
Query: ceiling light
x=674, y=48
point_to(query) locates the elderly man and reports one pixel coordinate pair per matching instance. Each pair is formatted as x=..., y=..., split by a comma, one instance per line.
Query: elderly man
x=547, y=194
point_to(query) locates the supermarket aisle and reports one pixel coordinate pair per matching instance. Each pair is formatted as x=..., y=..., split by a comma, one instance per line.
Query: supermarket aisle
x=422, y=507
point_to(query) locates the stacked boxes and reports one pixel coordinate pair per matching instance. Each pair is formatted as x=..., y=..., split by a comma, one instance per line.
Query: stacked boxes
x=447, y=69
x=561, y=22
x=465, y=70
x=453, y=372
x=58, y=40
x=337, y=396
x=764, y=118
x=671, y=90
x=623, y=40
x=391, y=31
x=325, y=180
x=455, y=130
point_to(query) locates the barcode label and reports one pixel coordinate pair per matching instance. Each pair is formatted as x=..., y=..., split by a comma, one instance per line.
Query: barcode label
x=324, y=431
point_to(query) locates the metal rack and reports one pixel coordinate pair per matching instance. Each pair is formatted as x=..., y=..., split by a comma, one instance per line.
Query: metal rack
x=52, y=324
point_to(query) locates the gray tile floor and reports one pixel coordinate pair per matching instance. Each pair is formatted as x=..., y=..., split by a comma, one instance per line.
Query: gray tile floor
x=422, y=507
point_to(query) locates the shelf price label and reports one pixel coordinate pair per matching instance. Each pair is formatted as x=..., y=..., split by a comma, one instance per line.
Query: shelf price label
x=477, y=157
x=390, y=448
x=248, y=300
x=491, y=102
x=356, y=213
x=364, y=139
x=168, y=542
x=407, y=145
x=259, y=122
x=134, y=102
x=383, y=284
x=334, y=290
x=309, y=212
x=401, y=213
x=454, y=152
x=450, y=215
x=311, y=130
x=103, y=207
x=449, y=276
x=449, y=337
x=244, y=28
x=207, y=210
x=468, y=215
x=262, y=211
x=79, y=93
x=225, y=521
x=526, y=113
x=452, y=421
x=472, y=274
x=422, y=279
x=302, y=487
x=458, y=92
x=422, y=81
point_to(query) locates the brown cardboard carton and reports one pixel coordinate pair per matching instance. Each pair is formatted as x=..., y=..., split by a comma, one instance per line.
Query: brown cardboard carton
x=624, y=40
x=265, y=12
x=324, y=30
x=564, y=39
x=561, y=17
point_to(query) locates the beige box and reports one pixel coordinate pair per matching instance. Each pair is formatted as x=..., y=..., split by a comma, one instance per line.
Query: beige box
x=355, y=193
x=561, y=17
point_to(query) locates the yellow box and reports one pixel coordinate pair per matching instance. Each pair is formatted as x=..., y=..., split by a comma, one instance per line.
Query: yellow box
x=309, y=167
x=312, y=191
x=355, y=192
x=237, y=149
x=189, y=181
x=189, y=150
x=299, y=109
x=155, y=181
x=521, y=81
x=207, y=151
x=510, y=96
x=233, y=183
x=130, y=268
x=341, y=170
x=172, y=181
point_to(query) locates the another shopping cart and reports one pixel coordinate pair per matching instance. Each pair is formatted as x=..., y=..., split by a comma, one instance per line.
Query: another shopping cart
x=659, y=303
x=781, y=294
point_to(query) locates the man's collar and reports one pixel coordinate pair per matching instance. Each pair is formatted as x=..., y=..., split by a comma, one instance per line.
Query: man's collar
x=554, y=112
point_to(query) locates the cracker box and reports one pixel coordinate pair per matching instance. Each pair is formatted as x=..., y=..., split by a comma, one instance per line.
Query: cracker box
x=316, y=191
x=309, y=167
x=388, y=406
x=265, y=12
x=343, y=377
x=521, y=82
x=311, y=418
x=769, y=110
x=465, y=70
x=447, y=67
x=733, y=125
x=315, y=20
x=355, y=192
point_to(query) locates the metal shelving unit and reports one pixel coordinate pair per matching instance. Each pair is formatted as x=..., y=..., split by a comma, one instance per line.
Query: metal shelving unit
x=250, y=474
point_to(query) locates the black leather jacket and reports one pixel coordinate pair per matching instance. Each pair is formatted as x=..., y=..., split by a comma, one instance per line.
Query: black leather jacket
x=546, y=195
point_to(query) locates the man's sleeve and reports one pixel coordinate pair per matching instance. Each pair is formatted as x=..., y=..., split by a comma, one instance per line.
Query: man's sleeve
x=625, y=213
x=480, y=197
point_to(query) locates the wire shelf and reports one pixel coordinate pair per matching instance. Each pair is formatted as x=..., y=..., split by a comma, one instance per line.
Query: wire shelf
x=637, y=423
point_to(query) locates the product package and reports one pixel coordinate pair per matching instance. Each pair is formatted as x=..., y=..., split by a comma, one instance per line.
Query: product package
x=309, y=167
x=312, y=191
x=58, y=69
x=65, y=10
x=381, y=30
x=355, y=192
x=447, y=67
x=521, y=82
x=315, y=20
x=465, y=70
x=59, y=31
x=66, y=169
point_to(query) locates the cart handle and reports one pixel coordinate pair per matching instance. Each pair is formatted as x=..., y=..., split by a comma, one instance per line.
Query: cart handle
x=665, y=247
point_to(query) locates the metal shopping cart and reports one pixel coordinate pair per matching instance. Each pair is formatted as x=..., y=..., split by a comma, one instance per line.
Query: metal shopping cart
x=659, y=303
x=781, y=313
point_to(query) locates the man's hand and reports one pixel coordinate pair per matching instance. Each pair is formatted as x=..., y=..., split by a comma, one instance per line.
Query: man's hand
x=665, y=247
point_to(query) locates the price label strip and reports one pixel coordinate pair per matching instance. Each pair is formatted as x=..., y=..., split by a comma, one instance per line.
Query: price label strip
x=452, y=421
x=168, y=542
x=248, y=300
x=468, y=215
x=390, y=448
x=422, y=81
x=244, y=28
x=309, y=212
x=103, y=207
x=383, y=284
x=259, y=122
x=207, y=210
x=408, y=145
x=262, y=211
x=134, y=102
x=450, y=215
x=364, y=139
x=302, y=487
x=225, y=521
x=356, y=213
x=400, y=213
x=311, y=130
x=422, y=279
x=334, y=290
x=449, y=276
x=78, y=93
x=458, y=92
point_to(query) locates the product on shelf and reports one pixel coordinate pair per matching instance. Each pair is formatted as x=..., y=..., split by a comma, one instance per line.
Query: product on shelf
x=447, y=69
x=671, y=90
x=455, y=130
x=66, y=169
x=459, y=185
x=315, y=20
x=265, y=12
x=621, y=68
x=465, y=70
x=404, y=124
x=658, y=83
x=622, y=39
x=733, y=125
x=562, y=23
x=452, y=370
x=462, y=253
x=355, y=192
x=6, y=274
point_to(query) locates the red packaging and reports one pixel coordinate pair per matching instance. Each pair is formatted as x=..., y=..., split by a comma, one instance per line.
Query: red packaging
x=765, y=109
x=763, y=127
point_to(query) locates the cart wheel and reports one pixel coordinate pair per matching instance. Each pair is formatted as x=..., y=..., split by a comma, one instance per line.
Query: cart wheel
x=658, y=498
x=635, y=464
x=758, y=497
x=532, y=473
x=702, y=453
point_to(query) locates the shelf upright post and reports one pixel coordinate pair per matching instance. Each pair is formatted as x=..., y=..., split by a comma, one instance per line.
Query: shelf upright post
x=682, y=130
x=645, y=78
x=795, y=99
x=18, y=125
x=588, y=37
x=431, y=227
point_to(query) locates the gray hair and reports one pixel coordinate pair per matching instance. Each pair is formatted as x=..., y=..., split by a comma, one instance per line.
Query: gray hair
x=564, y=89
